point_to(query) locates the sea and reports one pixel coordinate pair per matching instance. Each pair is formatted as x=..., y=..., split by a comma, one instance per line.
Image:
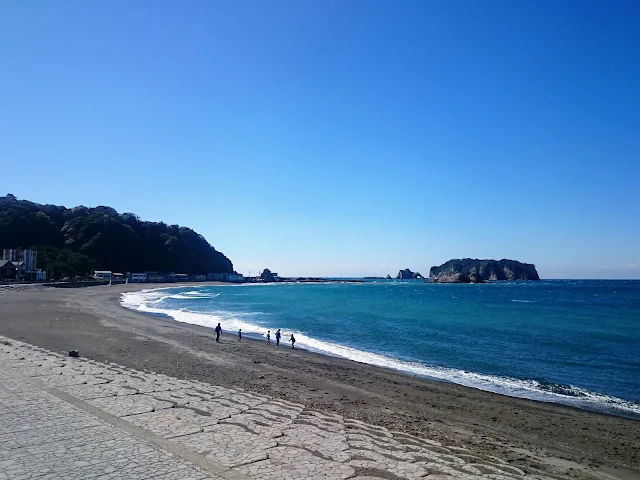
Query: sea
x=574, y=342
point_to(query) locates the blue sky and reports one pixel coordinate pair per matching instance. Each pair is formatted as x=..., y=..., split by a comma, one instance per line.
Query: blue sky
x=338, y=137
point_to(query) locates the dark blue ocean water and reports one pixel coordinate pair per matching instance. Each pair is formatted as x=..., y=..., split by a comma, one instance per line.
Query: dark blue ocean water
x=568, y=341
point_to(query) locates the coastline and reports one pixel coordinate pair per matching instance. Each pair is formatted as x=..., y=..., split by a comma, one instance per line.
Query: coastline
x=533, y=388
x=534, y=436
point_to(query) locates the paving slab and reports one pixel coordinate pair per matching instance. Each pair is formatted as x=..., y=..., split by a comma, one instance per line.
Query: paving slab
x=294, y=463
x=126, y=405
x=78, y=418
x=76, y=444
x=231, y=445
x=174, y=422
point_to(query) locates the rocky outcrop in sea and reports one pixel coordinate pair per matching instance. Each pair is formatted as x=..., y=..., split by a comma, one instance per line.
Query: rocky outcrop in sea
x=407, y=274
x=267, y=276
x=469, y=270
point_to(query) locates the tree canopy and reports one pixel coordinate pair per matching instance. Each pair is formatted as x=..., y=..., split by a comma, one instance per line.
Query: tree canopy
x=84, y=238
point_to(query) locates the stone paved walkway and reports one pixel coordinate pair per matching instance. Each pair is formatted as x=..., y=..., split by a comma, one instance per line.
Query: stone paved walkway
x=44, y=437
x=63, y=417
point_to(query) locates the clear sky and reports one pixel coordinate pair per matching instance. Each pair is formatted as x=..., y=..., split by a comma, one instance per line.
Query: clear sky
x=339, y=137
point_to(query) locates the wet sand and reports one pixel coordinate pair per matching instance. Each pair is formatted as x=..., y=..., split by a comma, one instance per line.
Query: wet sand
x=537, y=437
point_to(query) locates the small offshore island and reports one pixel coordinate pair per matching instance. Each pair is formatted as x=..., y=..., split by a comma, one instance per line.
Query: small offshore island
x=468, y=270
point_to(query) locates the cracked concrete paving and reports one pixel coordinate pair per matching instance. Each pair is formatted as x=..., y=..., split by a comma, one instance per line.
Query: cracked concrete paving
x=45, y=437
x=63, y=417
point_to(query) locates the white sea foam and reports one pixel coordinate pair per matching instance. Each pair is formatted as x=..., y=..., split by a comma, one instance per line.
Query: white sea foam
x=189, y=296
x=148, y=300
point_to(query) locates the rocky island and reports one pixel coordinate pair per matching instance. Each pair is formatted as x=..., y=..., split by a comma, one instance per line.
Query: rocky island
x=408, y=274
x=468, y=270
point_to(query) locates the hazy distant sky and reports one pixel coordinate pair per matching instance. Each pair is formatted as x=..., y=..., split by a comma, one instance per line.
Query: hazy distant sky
x=338, y=137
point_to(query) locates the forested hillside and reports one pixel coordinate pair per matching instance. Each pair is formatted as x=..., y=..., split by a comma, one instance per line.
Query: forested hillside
x=72, y=241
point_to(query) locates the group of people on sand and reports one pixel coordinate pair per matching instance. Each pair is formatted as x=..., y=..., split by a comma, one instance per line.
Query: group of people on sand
x=278, y=335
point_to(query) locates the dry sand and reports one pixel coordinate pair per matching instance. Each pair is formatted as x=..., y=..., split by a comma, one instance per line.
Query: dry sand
x=534, y=436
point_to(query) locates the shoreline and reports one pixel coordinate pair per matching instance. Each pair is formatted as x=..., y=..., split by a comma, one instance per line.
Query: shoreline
x=530, y=389
x=538, y=437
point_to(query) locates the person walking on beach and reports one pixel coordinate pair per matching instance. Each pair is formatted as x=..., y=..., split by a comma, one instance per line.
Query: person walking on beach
x=218, y=332
x=278, y=338
x=293, y=341
x=239, y=334
x=269, y=337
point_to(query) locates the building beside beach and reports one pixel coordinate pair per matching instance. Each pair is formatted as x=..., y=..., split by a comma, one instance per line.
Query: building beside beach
x=226, y=277
x=17, y=255
x=102, y=274
x=166, y=277
x=17, y=272
x=138, y=277
x=8, y=271
x=155, y=277
x=19, y=264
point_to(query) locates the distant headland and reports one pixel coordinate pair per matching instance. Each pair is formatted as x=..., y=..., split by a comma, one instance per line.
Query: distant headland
x=468, y=270
x=73, y=242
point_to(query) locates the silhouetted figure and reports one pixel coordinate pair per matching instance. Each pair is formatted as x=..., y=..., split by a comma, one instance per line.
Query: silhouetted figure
x=239, y=334
x=269, y=337
x=218, y=332
x=293, y=341
x=278, y=338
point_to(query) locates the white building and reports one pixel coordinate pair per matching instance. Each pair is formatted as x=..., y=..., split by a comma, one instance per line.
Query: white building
x=138, y=277
x=40, y=275
x=102, y=274
x=156, y=277
x=234, y=277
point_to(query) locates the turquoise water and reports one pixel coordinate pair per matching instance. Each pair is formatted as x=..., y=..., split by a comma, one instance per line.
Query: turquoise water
x=566, y=341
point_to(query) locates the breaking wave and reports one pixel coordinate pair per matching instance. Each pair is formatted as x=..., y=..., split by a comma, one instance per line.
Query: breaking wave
x=149, y=301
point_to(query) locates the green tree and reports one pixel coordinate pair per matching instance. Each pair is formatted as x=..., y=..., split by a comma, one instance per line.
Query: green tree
x=72, y=241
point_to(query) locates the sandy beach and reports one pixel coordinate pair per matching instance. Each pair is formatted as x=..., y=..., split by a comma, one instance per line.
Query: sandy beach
x=536, y=437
